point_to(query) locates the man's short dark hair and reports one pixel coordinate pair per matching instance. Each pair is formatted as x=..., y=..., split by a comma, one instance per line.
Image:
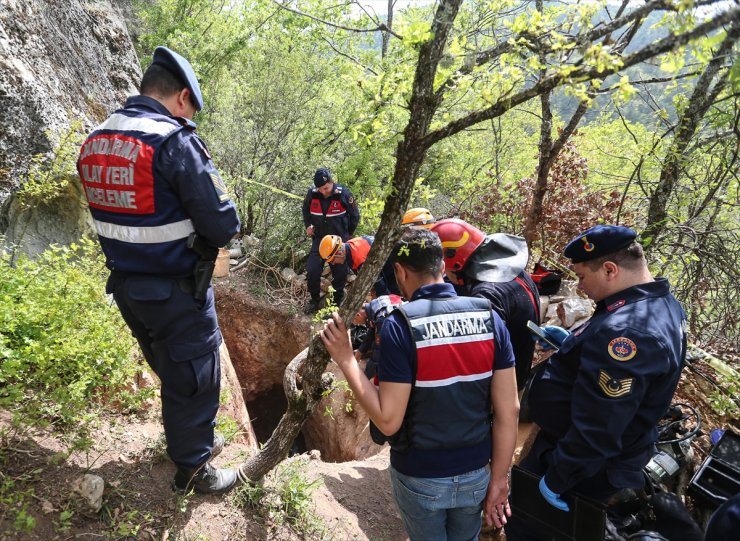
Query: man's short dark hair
x=158, y=81
x=631, y=258
x=420, y=250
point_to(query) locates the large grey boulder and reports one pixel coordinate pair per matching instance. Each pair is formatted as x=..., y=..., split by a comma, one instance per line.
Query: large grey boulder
x=61, y=63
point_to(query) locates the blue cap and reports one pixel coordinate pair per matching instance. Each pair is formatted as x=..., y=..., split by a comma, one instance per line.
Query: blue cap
x=177, y=65
x=321, y=177
x=598, y=241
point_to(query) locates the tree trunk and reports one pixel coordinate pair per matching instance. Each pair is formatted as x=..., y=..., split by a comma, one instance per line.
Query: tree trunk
x=309, y=365
x=387, y=33
x=701, y=99
x=548, y=151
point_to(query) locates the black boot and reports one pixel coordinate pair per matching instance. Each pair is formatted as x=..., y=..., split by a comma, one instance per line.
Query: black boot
x=312, y=307
x=218, y=445
x=204, y=480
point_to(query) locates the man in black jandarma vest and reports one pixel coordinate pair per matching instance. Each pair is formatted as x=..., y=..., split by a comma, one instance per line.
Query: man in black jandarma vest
x=445, y=362
x=328, y=209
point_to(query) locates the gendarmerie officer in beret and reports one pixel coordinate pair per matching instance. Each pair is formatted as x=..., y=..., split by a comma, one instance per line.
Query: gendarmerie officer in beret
x=151, y=184
x=600, y=396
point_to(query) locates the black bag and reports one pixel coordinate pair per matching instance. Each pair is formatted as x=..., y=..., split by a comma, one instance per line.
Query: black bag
x=547, y=280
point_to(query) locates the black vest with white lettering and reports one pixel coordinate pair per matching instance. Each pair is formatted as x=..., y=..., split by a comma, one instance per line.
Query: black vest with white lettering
x=450, y=403
x=335, y=221
x=142, y=225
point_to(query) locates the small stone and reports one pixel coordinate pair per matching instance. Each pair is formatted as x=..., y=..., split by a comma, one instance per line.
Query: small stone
x=574, y=309
x=46, y=507
x=90, y=487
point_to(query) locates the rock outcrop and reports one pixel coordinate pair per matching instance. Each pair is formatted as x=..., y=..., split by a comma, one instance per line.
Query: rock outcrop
x=62, y=64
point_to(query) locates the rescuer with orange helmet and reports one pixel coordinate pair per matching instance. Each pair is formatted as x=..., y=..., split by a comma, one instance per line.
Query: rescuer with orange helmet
x=419, y=217
x=493, y=267
x=343, y=256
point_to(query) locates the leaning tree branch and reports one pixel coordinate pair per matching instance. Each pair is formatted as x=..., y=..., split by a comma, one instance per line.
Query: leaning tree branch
x=584, y=73
x=488, y=55
x=349, y=57
x=310, y=364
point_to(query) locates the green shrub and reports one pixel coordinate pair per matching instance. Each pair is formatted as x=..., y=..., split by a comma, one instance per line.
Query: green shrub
x=64, y=350
x=285, y=497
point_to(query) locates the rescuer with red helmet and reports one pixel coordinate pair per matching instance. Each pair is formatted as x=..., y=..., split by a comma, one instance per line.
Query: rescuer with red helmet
x=493, y=267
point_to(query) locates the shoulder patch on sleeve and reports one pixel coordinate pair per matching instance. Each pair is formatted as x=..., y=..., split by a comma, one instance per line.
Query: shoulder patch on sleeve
x=613, y=387
x=220, y=186
x=622, y=349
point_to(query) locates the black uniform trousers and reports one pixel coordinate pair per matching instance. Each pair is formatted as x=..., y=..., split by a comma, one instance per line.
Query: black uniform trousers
x=537, y=461
x=180, y=341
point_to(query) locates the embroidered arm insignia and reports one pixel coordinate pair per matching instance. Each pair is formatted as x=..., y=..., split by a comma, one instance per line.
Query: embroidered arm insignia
x=613, y=387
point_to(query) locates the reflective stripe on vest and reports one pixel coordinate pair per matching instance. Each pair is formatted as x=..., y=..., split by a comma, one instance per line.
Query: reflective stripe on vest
x=145, y=235
x=141, y=222
x=119, y=122
x=454, y=343
x=335, y=208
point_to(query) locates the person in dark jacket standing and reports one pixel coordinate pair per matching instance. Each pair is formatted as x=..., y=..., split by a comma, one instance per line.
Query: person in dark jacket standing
x=492, y=267
x=154, y=192
x=445, y=363
x=328, y=209
x=600, y=396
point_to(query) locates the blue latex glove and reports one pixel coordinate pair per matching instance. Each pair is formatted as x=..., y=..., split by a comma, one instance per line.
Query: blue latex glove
x=555, y=334
x=552, y=498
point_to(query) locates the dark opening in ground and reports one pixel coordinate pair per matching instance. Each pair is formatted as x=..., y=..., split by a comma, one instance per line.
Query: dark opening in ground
x=266, y=411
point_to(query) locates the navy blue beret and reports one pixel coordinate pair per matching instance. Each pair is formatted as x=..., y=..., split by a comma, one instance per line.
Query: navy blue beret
x=598, y=241
x=177, y=65
x=321, y=177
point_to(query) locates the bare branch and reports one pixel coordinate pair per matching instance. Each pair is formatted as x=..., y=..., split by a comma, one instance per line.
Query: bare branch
x=584, y=73
x=349, y=57
x=701, y=99
x=380, y=28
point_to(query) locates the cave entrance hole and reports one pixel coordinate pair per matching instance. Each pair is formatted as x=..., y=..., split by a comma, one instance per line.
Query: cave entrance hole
x=262, y=339
x=265, y=412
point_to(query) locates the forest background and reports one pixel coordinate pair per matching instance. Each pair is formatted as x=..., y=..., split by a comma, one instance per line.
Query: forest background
x=526, y=117
x=290, y=88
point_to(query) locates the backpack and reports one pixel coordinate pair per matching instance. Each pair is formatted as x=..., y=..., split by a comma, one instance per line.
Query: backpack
x=547, y=280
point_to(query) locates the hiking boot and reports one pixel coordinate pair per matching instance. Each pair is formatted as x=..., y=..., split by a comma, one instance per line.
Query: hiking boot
x=204, y=480
x=218, y=445
x=312, y=307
